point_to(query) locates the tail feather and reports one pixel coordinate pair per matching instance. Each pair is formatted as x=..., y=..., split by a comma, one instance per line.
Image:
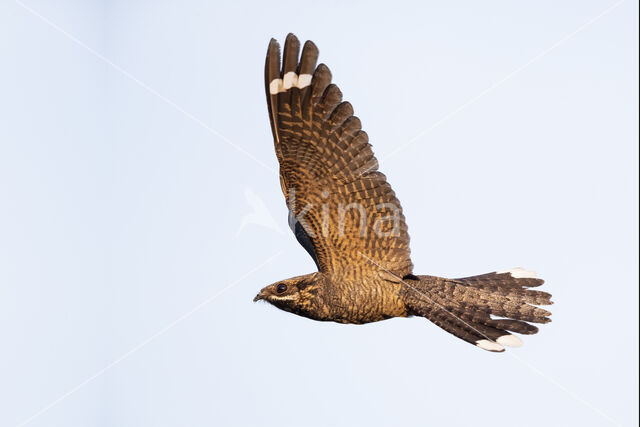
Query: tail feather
x=457, y=327
x=514, y=326
x=484, y=309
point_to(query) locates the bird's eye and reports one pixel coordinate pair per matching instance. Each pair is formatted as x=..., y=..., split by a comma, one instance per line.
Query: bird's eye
x=281, y=288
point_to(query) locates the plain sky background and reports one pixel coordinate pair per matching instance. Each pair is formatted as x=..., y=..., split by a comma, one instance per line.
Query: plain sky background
x=140, y=211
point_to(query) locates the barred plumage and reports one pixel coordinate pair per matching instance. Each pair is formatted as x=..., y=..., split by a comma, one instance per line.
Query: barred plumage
x=345, y=214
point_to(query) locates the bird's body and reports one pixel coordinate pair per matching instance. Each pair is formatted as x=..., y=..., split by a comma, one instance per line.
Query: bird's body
x=345, y=214
x=344, y=300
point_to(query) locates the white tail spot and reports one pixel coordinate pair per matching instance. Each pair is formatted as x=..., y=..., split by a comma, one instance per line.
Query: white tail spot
x=510, y=341
x=519, y=273
x=489, y=345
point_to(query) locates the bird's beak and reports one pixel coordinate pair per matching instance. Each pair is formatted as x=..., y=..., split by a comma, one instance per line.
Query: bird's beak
x=258, y=297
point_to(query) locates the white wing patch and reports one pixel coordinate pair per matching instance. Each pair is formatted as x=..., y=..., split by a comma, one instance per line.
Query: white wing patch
x=290, y=80
x=275, y=86
x=304, y=80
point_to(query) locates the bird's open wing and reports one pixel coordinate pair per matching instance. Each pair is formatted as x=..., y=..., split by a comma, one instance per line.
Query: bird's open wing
x=341, y=209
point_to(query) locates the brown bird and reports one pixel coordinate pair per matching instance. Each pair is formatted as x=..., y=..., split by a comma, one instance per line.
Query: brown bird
x=344, y=213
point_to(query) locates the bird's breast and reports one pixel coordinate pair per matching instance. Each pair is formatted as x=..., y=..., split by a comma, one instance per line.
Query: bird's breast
x=354, y=302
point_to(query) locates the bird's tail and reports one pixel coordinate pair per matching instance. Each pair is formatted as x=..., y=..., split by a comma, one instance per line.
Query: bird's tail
x=481, y=309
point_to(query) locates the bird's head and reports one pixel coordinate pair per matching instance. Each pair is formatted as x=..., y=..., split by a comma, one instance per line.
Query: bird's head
x=300, y=295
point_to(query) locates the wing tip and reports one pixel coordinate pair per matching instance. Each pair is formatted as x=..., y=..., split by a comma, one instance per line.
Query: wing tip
x=311, y=46
x=274, y=47
x=291, y=38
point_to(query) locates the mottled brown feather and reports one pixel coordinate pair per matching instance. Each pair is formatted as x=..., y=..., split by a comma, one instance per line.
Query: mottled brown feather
x=365, y=275
x=323, y=152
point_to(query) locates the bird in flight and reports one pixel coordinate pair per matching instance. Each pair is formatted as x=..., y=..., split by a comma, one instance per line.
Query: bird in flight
x=344, y=213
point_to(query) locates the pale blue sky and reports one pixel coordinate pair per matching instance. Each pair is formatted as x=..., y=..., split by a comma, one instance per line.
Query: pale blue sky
x=130, y=157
